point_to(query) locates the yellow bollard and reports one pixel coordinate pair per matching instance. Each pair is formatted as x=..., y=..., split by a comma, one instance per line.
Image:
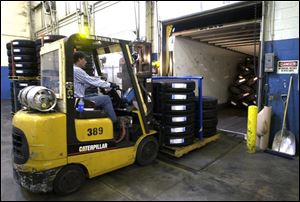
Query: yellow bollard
x=251, y=128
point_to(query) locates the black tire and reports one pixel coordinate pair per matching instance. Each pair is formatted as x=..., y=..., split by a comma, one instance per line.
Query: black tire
x=183, y=130
x=8, y=45
x=147, y=151
x=246, y=89
x=174, y=85
x=239, y=82
x=22, y=51
x=38, y=48
x=23, y=43
x=178, y=120
x=235, y=90
x=209, y=123
x=209, y=102
x=235, y=103
x=209, y=114
x=184, y=109
x=20, y=84
x=177, y=97
x=187, y=140
x=25, y=65
x=251, y=81
x=251, y=97
x=240, y=96
x=68, y=180
x=23, y=58
x=24, y=72
x=208, y=132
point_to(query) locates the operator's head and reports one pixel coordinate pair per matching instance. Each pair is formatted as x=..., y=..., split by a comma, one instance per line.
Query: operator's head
x=79, y=59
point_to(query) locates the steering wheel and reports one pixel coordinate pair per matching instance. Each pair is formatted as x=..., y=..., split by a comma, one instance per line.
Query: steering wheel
x=114, y=96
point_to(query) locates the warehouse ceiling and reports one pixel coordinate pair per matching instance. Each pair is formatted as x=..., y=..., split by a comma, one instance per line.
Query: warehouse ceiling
x=242, y=37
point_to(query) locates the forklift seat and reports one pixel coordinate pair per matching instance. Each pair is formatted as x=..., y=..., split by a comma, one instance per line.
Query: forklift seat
x=90, y=110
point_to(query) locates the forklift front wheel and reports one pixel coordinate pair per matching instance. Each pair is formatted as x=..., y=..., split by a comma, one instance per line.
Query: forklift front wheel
x=147, y=151
x=68, y=180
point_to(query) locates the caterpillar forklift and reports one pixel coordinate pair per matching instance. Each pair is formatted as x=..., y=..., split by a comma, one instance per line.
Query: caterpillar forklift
x=56, y=147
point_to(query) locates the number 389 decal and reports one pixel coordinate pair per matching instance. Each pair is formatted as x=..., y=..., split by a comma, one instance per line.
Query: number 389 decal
x=95, y=131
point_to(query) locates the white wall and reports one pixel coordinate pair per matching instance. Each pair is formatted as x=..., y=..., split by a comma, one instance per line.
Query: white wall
x=218, y=66
x=174, y=9
x=14, y=24
x=282, y=20
x=118, y=21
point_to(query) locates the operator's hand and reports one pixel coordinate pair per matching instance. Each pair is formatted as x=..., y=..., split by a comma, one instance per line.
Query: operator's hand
x=104, y=78
x=113, y=85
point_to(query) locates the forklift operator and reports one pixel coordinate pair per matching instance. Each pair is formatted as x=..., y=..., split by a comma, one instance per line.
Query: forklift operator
x=82, y=79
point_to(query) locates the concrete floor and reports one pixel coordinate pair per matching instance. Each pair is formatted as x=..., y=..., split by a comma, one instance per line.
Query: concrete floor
x=233, y=120
x=222, y=170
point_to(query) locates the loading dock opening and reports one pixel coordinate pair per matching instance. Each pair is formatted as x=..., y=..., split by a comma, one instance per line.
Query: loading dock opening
x=213, y=44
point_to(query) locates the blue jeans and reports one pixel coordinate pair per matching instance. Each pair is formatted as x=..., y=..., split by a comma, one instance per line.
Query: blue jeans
x=103, y=101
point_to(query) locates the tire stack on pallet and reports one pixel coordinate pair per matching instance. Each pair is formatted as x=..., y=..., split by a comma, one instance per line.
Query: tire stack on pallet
x=243, y=90
x=210, y=116
x=23, y=70
x=174, y=107
x=44, y=41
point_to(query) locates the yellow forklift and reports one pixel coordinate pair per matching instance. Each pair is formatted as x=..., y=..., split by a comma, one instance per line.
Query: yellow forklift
x=55, y=147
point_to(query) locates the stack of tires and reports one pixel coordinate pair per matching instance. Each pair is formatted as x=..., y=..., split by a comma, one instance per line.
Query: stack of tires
x=210, y=116
x=23, y=69
x=174, y=107
x=243, y=90
x=43, y=41
x=22, y=58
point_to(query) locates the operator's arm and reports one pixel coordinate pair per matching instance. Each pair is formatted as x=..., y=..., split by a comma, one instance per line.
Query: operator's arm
x=82, y=77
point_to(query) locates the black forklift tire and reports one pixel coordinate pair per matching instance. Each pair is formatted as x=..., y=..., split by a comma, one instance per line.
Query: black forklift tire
x=147, y=151
x=25, y=65
x=23, y=43
x=24, y=72
x=22, y=51
x=187, y=129
x=246, y=89
x=22, y=58
x=240, y=96
x=68, y=180
x=8, y=45
x=171, y=109
x=251, y=97
x=251, y=81
x=209, y=123
x=177, y=97
x=188, y=139
x=235, y=90
x=209, y=113
x=208, y=132
x=209, y=102
x=169, y=85
x=183, y=119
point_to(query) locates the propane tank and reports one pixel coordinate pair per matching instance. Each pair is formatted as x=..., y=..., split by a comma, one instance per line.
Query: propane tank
x=37, y=97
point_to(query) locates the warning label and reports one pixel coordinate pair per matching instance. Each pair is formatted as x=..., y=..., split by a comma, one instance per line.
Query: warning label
x=287, y=66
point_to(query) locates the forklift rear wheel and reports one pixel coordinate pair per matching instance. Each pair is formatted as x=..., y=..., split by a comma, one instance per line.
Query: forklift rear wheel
x=147, y=151
x=68, y=180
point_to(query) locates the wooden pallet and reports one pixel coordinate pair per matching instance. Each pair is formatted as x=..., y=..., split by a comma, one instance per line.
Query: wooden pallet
x=24, y=77
x=180, y=151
